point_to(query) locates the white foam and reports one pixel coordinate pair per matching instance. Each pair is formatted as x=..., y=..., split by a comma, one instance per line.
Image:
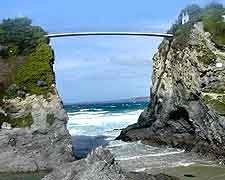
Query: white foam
x=185, y=164
x=117, y=145
x=97, y=109
x=70, y=114
x=76, y=131
x=147, y=155
x=82, y=110
x=140, y=170
x=102, y=120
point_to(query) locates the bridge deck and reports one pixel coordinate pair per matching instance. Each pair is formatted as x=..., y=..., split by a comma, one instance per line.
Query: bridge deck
x=110, y=34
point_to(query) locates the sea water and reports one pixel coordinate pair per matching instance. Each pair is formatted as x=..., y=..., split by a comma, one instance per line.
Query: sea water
x=93, y=125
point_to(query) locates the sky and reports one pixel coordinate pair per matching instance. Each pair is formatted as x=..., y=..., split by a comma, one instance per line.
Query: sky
x=101, y=68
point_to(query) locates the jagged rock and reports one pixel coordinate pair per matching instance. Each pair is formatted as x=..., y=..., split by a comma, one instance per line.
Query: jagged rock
x=187, y=98
x=42, y=146
x=99, y=165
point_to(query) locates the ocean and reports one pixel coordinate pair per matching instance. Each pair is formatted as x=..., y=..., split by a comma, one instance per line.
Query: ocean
x=93, y=125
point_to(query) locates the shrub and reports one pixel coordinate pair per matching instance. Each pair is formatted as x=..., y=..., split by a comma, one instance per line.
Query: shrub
x=212, y=18
x=50, y=119
x=37, y=67
x=20, y=34
x=214, y=22
x=19, y=38
x=20, y=122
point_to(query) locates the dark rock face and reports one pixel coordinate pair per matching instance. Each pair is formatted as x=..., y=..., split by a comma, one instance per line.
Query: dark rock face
x=186, y=98
x=99, y=165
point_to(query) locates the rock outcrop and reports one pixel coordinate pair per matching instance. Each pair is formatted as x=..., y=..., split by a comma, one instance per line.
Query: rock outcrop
x=33, y=134
x=187, y=97
x=43, y=145
x=99, y=165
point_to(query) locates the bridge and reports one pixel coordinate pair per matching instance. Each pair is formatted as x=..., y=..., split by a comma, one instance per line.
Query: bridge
x=110, y=34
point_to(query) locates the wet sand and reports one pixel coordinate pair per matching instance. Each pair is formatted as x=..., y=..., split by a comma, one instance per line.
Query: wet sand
x=192, y=172
x=22, y=176
x=197, y=172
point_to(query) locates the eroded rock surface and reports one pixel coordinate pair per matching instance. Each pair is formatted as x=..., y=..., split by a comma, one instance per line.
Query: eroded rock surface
x=39, y=139
x=99, y=165
x=187, y=97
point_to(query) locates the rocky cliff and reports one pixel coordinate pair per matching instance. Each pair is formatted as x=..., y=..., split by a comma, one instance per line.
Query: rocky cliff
x=33, y=134
x=187, y=108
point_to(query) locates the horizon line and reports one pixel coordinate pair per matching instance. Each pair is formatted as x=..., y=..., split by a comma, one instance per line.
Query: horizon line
x=105, y=101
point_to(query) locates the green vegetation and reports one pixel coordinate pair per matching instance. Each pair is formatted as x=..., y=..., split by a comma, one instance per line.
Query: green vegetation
x=20, y=122
x=218, y=89
x=205, y=55
x=36, y=68
x=19, y=38
x=214, y=22
x=212, y=18
x=217, y=103
x=2, y=94
x=50, y=119
x=206, y=98
x=25, y=121
x=182, y=31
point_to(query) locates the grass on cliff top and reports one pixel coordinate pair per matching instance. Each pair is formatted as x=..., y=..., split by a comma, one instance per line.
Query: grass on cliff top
x=18, y=37
x=213, y=21
x=37, y=67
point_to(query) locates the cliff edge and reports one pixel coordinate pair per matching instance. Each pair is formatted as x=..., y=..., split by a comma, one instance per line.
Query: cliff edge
x=33, y=134
x=187, y=108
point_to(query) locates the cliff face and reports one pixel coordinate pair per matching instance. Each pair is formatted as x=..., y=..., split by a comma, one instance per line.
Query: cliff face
x=33, y=134
x=187, y=97
x=43, y=144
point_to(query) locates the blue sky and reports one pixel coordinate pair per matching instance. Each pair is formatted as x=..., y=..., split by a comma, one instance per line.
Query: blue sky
x=101, y=68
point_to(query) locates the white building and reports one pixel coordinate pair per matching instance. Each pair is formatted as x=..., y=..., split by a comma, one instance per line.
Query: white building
x=223, y=18
x=185, y=17
x=219, y=65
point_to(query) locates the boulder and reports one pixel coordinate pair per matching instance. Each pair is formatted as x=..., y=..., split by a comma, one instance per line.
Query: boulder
x=40, y=141
x=99, y=165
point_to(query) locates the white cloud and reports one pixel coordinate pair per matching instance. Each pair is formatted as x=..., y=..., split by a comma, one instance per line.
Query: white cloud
x=119, y=51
